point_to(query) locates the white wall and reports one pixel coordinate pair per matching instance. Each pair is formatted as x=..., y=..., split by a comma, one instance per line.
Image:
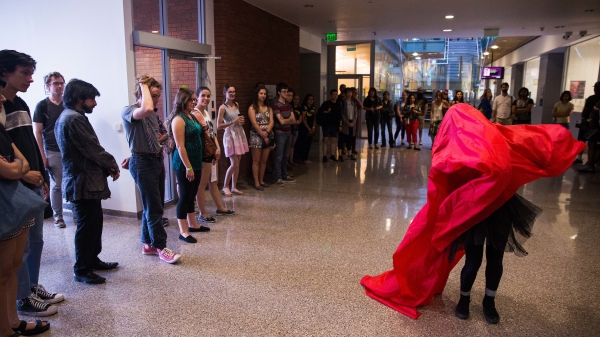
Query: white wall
x=81, y=39
x=209, y=26
x=310, y=42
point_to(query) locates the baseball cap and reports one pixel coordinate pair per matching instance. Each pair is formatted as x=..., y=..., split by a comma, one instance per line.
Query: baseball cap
x=445, y=91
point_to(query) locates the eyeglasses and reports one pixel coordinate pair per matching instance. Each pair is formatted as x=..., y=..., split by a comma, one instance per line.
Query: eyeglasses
x=56, y=84
x=155, y=96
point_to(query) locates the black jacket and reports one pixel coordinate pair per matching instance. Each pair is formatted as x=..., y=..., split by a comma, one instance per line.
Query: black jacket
x=85, y=163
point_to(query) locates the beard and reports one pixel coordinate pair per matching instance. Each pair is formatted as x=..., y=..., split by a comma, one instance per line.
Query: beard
x=86, y=108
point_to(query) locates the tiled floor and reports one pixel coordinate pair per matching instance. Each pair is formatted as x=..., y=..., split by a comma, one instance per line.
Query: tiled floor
x=290, y=261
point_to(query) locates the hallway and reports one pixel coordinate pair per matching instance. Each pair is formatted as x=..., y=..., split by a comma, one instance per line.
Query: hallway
x=290, y=261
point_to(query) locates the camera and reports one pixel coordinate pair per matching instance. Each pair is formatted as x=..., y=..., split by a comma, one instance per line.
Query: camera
x=583, y=33
x=567, y=35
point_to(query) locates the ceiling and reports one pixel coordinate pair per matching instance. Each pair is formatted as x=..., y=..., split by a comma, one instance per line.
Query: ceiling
x=356, y=20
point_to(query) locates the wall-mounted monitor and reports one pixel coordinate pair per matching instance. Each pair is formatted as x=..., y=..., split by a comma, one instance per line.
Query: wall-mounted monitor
x=495, y=73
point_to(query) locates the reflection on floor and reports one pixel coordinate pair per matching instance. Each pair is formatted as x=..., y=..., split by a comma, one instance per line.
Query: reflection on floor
x=289, y=263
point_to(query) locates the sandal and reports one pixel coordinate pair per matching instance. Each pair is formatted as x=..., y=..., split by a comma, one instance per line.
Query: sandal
x=226, y=192
x=236, y=191
x=38, y=329
x=259, y=188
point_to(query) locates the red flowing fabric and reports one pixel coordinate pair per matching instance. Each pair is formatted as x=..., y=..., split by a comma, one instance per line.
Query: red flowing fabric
x=476, y=167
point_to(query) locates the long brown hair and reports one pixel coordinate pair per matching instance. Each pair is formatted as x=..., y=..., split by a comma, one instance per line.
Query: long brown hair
x=255, y=99
x=181, y=98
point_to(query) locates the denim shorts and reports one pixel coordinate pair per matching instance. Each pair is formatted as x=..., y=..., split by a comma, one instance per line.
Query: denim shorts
x=329, y=130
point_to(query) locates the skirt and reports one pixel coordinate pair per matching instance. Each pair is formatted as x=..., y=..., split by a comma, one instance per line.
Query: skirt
x=234, y=141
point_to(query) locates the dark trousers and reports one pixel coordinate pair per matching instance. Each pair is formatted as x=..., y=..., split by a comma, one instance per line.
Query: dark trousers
x=88, y=236
x=187, y=193
x=399, y=128
x=386, y=123
x=473, y=259
x=373, y=128
x=305, y=139
x=149, y=175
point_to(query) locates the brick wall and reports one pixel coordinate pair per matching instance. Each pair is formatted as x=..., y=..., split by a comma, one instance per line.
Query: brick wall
x=254, y=46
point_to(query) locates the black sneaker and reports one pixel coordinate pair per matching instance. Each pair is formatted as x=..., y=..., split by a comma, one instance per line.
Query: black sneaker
x=165, y=222
x=462, y=308
x=89, y=278
x=289, y=180
x=324, y=159
x=209, y=219
x=489, y=310
x=227, y=212
x=35, y=306
x=332, y=158
x=45, y=296
x=279, y=183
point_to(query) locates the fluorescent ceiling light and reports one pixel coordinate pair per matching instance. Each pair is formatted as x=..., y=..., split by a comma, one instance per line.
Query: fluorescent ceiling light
x=418, y=58
x=486, y=53
x=415, y=54
x=449, y=16
x=494, y=47
x=447, y=30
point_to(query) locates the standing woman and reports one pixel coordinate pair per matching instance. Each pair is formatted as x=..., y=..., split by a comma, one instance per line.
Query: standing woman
x=234, y=139
x=563, y=109
x=399, y=124
x=261, y=135
x=372, y=105
x=308, y=127
x=411, y=121
x=437, y=107
x=387, y=115
x=187, y=160
x=297, y=110
x=486, y=103
x=209, y=164
x=458, y=98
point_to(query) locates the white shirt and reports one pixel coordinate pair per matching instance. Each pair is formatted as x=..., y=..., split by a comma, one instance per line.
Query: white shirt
x=503, y=106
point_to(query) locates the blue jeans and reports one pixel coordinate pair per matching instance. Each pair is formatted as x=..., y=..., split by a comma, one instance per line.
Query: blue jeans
x=29, y=273
x=282, y=150
x=149, y=175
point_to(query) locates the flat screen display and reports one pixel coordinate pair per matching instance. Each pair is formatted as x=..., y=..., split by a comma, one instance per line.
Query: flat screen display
x=492, y=73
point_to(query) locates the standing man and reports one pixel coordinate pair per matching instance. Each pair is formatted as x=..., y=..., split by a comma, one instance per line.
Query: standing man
x=502, y=107
x=590, y=119
x=342, y=94
x=284, y=119
x=422, y=102
x=146, y=165
x=85, y=167
x=18, y=69
x=330, y=115
x=45, y=115
x=521, y=107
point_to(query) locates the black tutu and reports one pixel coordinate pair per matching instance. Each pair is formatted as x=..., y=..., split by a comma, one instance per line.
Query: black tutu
x=506, y=229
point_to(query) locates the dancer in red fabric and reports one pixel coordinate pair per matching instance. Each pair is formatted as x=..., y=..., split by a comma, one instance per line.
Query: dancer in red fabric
x=476, y=170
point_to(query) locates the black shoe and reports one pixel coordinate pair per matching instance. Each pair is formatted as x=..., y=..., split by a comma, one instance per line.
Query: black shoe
x=462, y=308
x=489, y=310
x=324, y=159
x=332, y=158
x=89, y=278
x=200, y=229
x=265, y=185
x=165, y=222
x=188, y=239
x=105, y=265
x=227, y=212
x=341, y=159
x=383, y=144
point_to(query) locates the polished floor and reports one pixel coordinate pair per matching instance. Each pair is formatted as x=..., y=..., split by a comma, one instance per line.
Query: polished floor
x=290, y=261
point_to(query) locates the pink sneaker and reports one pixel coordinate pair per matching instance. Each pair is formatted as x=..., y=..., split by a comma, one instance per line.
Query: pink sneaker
x=168, y=255
x=149, y=250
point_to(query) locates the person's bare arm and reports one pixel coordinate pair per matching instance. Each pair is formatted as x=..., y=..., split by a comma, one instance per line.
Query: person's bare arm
x=38, y=128
x=146, y=107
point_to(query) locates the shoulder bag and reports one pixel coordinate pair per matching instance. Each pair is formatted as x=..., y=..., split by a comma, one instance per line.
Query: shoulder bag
x=18, y=205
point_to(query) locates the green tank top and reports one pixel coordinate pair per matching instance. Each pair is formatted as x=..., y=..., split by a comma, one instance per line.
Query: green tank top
x=193, y=145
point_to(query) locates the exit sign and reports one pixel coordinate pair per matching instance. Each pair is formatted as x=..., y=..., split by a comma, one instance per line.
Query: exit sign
x=330, y=37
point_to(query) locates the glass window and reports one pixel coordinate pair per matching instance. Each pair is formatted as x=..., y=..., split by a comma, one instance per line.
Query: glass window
x=182, y=16
x=146, y=15
x=387, y=72
x=353, y=59
x=532, y=73
x=582, y=71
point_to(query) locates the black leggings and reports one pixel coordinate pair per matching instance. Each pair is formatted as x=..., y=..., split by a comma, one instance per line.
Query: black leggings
x=493, y=268
x=187, y=193
x=399, y=127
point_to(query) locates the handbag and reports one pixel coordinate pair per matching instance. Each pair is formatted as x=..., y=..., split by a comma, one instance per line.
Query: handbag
x=271, y=143
x=18, y=205
x=208, y=144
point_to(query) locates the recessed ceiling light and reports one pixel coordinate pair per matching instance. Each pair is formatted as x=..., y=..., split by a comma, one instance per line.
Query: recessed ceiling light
x=418, y=58
x=447, y=30
x=588, y=10
x=494, y=47
x=331, y=21
x=559, y=26
x=415, y=54
x=449, y=16
x=414, y=39
x=486, y=53
x=155, y=32
x=504, y=40
x=309, y=6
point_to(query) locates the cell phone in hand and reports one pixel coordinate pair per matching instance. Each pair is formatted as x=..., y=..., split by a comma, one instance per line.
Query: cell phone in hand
x=239, y=115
